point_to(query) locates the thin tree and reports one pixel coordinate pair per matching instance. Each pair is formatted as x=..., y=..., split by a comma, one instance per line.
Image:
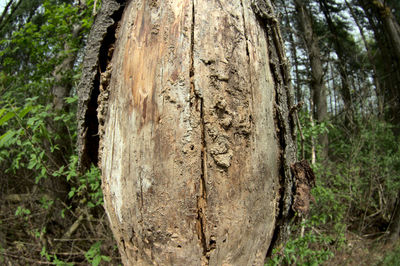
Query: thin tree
x=318, y=87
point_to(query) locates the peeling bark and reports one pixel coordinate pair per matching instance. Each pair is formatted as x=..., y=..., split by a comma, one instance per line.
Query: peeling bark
x=95, y=62
x=197, y=142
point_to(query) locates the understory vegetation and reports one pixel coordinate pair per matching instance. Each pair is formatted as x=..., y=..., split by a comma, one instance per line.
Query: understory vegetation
x=355, y=196
x=50, y=213
x=345, y=78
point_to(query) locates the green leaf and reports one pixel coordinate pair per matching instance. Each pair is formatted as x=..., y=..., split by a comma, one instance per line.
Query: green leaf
x=96, y=261
x=105, y=258
x=43, y=253
x=6, y=117
x=71, y=99
x=32, y=161
x=71, y=193
x=4, y=139
x=2, y=111
x=25, y=111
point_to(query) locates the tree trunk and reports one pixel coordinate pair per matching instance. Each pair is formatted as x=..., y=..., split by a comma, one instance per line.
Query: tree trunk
x=196, y=141
x=62, y=88
x=371, y=59
x=343, y=71
x=304, y=19
x=293, y=49
x=387, y=34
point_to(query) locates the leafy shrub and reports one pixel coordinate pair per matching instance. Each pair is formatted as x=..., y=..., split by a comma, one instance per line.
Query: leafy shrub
x=37, y=142
x=93, y=255
x=311, y=249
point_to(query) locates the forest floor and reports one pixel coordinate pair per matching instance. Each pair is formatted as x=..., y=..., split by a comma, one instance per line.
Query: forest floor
x=364, y=251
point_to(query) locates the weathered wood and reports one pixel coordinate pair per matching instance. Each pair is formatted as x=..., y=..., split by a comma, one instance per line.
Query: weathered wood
x=197, y=141
x=88, y=140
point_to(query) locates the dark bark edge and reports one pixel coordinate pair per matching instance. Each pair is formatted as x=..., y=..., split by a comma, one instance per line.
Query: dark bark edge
x=285, y=125
x=101, y=38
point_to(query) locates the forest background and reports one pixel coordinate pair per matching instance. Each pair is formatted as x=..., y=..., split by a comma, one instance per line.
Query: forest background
x=345, y=58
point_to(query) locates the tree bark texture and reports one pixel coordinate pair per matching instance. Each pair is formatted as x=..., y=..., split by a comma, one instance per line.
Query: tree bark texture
x=196, y=140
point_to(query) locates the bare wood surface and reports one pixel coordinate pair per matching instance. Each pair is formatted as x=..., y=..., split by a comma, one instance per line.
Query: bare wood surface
x=197, y=140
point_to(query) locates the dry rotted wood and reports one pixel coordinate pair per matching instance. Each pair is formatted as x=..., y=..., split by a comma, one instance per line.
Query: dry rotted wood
x=100, y=38
x=198, y=140
x=304, y=182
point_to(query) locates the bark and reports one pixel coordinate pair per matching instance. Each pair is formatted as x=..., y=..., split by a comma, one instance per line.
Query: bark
x=294, y=57
x=5, y=11
x=384, y=13
x=100, y=38
x=196, y=141
x=6, y=17
x=318, y=86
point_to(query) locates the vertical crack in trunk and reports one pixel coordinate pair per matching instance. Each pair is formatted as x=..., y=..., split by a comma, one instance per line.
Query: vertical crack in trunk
x=98, y=55
x=245, y=32
x=202, y=198
x=248, y=56
x=104, y=74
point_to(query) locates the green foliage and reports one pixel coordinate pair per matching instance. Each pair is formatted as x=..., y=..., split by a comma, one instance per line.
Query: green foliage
x=355, y=188
x=21, y=211
x=366, y=169
x=311, y=249
x=36, y=48
x=93, y=255
x=33, y=137
x=37, y=142
x=46, y=203
x=88, y=187
x=328, y=209
x=362, y=173
x=311, y=131
x=29, y=142
x=324, y=233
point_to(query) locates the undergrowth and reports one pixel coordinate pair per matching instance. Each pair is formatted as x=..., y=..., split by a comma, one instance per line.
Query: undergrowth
x=355, y=193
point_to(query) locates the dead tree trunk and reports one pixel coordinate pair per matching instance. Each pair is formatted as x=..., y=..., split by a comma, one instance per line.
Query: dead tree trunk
x=196, y=141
